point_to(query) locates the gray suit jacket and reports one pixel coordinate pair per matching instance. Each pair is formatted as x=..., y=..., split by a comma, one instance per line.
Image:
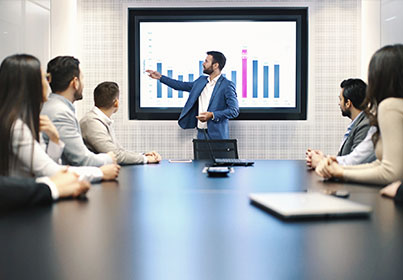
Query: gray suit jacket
x=357, y=134
x=99, y=138
x=62, y=113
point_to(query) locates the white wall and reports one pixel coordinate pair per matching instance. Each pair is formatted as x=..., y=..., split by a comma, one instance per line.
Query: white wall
x=370, y=32
x=391, y=22
x=24, y=28
x=64, y=31
x=382, y=24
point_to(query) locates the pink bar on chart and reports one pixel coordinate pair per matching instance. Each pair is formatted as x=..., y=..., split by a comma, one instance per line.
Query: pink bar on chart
x=244, y=73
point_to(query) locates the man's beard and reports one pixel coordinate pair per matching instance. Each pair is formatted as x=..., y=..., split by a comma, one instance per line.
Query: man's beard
x=78, y=94
x=208, y=71
x=346, y=113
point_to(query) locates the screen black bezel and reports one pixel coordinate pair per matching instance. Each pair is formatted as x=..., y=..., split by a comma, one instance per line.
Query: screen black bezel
x=299, y=15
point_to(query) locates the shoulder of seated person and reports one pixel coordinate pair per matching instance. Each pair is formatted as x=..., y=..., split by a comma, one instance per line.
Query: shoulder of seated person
x=391, y=103
x=19, y=122
x=52, y=100
x=62, y=114
x=55, y=108
x=93, y=119
x=20, y=125
x=85, y=118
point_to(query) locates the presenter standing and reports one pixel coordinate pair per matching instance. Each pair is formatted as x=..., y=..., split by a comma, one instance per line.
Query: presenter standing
x=212, y=99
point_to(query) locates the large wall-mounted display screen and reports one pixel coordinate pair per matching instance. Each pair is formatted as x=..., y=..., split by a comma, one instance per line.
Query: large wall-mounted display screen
x=265, y=50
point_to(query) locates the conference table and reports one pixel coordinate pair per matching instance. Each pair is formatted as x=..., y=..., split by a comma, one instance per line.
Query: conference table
x=172, y=221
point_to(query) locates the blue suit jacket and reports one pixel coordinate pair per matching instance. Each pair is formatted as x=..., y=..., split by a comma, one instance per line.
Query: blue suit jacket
x=223, y=104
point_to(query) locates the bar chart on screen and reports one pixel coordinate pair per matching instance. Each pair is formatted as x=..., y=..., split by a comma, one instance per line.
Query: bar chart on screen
x=261, y=60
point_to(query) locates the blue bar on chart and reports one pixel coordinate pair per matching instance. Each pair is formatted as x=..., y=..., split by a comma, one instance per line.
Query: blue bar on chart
x=233, y=77
x=180, y=92
x=191, y=78
x=254, y=74
x=276, y=81
x=265, y=81
x=200, y=68
x=170, y=89
x=159, y=86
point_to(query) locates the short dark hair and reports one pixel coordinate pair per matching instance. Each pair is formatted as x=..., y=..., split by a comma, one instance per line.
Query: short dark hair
x=62, y=70
x=354, y=89
x=218, y=58
x=105, y=94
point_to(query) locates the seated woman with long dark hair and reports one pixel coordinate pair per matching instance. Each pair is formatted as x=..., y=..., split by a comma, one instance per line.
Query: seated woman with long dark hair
x=23, y=88
x=384, y=98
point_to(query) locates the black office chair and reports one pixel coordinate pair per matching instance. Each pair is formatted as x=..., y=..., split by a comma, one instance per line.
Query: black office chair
x=209, y=149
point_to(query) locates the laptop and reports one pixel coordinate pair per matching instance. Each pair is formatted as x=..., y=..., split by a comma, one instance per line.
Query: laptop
x=308, y=205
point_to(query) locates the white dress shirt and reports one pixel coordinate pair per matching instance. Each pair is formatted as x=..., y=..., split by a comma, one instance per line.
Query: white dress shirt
x=53, y=150
x=204, y=99
x=363, y=153
x=52, y=186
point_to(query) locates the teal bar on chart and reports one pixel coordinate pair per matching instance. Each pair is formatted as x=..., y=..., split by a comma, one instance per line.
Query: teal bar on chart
x=276, y=81
x=159, y=86
x=254, y=75
x=265, y=81
x=170, y=89
x=200, y=68
x=233, y=77
x=180, y=92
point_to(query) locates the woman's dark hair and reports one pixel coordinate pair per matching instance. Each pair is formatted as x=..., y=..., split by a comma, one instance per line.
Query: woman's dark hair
x=385, y=79
x=21, y=98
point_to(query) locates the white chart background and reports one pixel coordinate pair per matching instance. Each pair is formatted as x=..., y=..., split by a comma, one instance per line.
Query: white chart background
x=179, y=46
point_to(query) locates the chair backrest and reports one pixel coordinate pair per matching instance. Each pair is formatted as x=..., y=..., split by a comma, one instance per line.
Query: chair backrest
x=222, y=148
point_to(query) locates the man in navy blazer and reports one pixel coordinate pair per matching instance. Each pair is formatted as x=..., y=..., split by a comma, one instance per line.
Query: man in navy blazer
x=212, y=99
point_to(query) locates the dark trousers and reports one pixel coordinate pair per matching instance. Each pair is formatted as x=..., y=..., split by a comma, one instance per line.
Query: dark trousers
x=201, y=134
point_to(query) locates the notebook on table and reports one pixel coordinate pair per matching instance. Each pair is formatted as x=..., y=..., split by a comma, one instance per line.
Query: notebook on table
x=308, y=205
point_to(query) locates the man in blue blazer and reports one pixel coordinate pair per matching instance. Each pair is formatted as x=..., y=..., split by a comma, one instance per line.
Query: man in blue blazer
x=212, y=99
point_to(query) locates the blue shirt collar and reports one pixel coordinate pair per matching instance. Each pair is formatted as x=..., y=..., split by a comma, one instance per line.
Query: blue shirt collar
x=64, y=100
x=355, y=120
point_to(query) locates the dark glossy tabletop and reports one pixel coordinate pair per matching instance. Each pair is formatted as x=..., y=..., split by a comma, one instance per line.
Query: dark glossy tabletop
x=171, y=221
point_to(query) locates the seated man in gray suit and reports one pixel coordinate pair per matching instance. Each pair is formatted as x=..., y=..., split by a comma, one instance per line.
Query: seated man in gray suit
x=66, y=82
x=356, y=146
x=97, y=131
